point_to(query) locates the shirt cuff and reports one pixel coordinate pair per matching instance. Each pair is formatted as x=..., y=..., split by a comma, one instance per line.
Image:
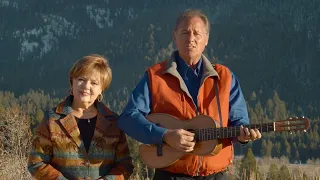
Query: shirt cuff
x=158, y=134
x=242, y=143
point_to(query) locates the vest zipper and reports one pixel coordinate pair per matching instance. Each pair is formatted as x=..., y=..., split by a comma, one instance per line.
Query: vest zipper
x=200, y=157
x=198, y=113
x=199, y=165
x=197, y=110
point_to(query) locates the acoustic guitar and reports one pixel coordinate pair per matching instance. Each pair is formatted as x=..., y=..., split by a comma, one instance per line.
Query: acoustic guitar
x=207, y=136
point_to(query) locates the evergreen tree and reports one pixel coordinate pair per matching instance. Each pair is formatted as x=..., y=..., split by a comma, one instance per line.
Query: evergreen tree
x=276, y=150
x=273, y=172
x=280, y=111
x=263, y=148
x=284, y=173
x=248, y=167
x=268, y=151
x=259, y=112
x=286, y=150
x=253, y=96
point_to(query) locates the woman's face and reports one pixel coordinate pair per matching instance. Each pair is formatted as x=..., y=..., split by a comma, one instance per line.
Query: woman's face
x=86, y=88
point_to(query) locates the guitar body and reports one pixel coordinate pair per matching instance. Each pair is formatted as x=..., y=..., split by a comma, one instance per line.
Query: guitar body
x=148, y=153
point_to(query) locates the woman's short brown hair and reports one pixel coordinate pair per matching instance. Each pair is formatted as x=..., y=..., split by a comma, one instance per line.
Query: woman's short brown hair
x=92, y=64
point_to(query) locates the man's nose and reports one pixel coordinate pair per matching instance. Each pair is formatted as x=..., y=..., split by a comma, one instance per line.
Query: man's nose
x=190, y=37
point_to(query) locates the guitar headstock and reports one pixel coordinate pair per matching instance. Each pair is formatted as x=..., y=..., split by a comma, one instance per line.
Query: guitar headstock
x=292, y=124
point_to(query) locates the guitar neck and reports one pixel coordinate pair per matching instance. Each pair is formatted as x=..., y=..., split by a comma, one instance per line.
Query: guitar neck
x=228, y=132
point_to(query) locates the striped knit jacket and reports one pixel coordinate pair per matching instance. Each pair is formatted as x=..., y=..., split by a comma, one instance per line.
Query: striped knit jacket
x=59, y=153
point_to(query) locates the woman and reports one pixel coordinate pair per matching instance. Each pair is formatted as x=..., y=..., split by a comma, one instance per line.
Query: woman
x=79, y=139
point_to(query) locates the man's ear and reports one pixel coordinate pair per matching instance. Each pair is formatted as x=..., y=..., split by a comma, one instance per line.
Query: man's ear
x=174, y=35
x=207, y=39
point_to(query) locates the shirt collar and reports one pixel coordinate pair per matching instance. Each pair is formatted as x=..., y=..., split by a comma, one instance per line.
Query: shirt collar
x=207, y=67
x=182, y=66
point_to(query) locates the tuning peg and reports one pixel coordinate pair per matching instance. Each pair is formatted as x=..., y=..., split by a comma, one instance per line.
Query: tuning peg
x=290, y=117
x=305, y=130
x=302, y=116
x=290, y=132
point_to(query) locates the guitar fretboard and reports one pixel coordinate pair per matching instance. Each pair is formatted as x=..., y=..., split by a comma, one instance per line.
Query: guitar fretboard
x=228, y=132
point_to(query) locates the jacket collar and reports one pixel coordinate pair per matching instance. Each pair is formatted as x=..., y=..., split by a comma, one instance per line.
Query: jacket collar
x=104, y=120
x=208, y=68
x=208, y=71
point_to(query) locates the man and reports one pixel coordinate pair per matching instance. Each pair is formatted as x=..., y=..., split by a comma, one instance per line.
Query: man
x=184, y=86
